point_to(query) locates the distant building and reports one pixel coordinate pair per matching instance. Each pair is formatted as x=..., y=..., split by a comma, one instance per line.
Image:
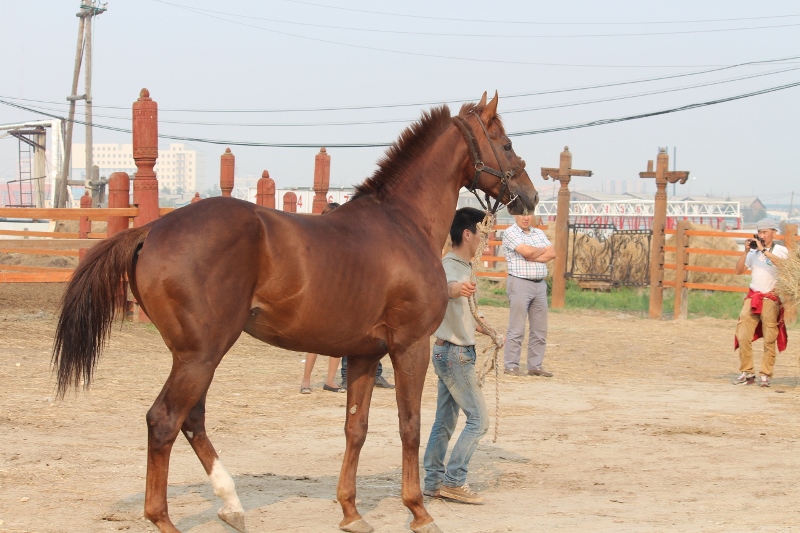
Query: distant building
x=178, y=169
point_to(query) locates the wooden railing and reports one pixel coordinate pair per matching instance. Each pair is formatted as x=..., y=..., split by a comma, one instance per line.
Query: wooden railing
x=682, y=267
x=52, y=243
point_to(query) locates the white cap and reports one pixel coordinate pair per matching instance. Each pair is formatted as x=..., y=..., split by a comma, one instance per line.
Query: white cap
x=766, y=223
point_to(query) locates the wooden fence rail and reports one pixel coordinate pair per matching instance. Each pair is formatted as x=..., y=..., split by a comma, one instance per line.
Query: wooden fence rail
x=52, y=243
x=682, y=267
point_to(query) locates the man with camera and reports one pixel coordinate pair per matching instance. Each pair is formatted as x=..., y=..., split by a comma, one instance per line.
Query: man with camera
x=762, y=312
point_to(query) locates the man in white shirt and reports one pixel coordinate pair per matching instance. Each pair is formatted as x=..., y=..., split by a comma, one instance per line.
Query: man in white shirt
x=762, y=312
x=527, y=249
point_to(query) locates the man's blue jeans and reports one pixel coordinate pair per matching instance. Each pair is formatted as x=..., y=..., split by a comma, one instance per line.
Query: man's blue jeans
x=457, y=389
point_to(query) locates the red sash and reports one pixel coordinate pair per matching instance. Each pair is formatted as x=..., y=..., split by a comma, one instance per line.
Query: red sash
x=756, y=306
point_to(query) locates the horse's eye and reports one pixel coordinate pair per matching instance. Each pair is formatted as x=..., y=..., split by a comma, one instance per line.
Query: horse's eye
x=507, y=147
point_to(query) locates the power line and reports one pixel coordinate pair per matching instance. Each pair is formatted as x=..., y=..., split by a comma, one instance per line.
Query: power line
x=489, y=21
x=406, y=120
x=785, y=60
x=605, y=121
x=419, y=54
x=474, y=35
x=524, y=133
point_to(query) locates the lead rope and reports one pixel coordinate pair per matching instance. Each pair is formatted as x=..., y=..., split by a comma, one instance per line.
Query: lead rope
x=484, y=228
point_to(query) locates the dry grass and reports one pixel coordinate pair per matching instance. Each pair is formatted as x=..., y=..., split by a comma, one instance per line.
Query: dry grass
x=788, y=285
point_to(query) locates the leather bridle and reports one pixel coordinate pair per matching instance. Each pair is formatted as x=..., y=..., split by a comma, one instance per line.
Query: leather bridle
x=477, y=161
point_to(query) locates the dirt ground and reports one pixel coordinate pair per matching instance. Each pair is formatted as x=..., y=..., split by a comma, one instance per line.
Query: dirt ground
x=639, y=430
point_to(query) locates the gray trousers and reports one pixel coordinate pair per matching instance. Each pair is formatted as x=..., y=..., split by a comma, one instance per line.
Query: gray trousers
x=528, y=302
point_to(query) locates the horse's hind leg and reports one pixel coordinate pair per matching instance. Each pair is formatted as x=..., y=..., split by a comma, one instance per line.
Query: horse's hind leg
x=186, y=385
x=360, y=383
x=194, y=429
x=410, y=367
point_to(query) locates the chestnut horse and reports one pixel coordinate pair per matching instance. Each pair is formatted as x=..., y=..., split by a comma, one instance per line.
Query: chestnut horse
x=362, y=281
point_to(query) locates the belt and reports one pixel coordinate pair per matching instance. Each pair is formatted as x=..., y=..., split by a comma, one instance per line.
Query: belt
x=526, y=279
x=439, y=342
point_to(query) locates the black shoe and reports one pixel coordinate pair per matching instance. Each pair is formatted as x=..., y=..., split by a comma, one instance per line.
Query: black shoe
x=331, y=389
x=541, y=372
x=512, y=371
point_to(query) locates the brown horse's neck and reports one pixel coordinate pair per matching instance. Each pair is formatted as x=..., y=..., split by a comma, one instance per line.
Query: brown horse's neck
x=427, y=194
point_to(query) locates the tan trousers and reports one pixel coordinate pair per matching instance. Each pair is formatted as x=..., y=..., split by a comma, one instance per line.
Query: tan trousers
x=745, y=329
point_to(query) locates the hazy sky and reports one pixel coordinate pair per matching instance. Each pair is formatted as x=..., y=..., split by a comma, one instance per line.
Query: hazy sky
x=290, y=54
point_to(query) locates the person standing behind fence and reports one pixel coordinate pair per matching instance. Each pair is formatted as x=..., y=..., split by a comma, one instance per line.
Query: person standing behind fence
x=762, y=311
x=526, y=249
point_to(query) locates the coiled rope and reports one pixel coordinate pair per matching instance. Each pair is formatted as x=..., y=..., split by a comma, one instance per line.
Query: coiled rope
x=484, y=228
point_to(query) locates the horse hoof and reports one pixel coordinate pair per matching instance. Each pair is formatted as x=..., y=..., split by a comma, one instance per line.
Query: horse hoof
x=235, y=519
x=427, y=528
x=359, y=526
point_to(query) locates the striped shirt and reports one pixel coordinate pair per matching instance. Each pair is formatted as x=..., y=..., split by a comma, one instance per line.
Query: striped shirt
x=517, y=265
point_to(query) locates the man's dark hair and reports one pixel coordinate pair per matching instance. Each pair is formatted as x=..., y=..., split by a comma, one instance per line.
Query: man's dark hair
x=466, y=218
x=329, y=207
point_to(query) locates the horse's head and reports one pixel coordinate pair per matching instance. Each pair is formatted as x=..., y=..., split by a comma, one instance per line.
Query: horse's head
x=493, y=167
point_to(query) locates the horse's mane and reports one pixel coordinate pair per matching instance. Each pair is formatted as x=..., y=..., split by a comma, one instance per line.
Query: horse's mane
x=414, y=139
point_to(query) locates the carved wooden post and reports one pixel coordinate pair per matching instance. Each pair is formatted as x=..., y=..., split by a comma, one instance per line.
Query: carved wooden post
x=119, y=195
x=290, y=202
x=681, y=309
x=790, y=241
x=563, y=174
x=662, y=176
x=322, y=178
x=196, y=198
x=145, y=154
x=265, y=191
x=84, y=225
x=227, y=164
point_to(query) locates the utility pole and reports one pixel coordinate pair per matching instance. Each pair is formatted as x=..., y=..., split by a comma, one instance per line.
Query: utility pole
x=791, y=204
x=88, y=10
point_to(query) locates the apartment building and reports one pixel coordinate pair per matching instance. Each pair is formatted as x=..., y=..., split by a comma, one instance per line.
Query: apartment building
x=178, y=168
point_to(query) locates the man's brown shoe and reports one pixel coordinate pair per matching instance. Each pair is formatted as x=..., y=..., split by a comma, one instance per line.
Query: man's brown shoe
x=540, y=372
x=432, y=493
x=461, y=494
x=512, y=371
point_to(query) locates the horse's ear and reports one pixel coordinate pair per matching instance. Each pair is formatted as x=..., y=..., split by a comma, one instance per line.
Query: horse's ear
x=482, y=103
x=490, y=111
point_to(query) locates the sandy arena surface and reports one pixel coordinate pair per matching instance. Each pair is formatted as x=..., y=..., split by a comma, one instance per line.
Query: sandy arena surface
x=639, y=430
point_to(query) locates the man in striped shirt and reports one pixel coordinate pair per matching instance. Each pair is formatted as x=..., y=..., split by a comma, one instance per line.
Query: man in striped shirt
x=527, y=249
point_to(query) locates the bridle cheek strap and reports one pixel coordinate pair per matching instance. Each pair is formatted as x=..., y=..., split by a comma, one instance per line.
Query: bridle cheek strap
x=480, y=167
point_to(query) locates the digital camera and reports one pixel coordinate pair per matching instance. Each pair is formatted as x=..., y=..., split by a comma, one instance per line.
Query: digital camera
x=753, y=245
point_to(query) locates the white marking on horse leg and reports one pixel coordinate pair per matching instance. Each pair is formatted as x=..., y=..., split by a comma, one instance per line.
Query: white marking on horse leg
x=224, y=487
x=190, y=435
x=354, y=409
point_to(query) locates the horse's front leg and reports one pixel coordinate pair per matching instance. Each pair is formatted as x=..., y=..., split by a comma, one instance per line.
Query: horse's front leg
x=360, y=382
x=410, y=366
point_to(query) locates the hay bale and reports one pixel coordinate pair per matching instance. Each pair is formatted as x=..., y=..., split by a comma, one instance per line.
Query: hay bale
x=788, y=284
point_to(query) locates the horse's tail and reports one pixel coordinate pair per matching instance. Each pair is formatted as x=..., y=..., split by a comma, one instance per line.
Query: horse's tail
x=92, y=301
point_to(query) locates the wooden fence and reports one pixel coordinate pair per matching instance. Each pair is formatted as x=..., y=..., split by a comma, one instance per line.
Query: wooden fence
x=53, y=243
x=682, y=267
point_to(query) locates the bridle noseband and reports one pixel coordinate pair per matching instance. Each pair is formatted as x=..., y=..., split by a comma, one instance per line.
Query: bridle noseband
x=480, y=167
